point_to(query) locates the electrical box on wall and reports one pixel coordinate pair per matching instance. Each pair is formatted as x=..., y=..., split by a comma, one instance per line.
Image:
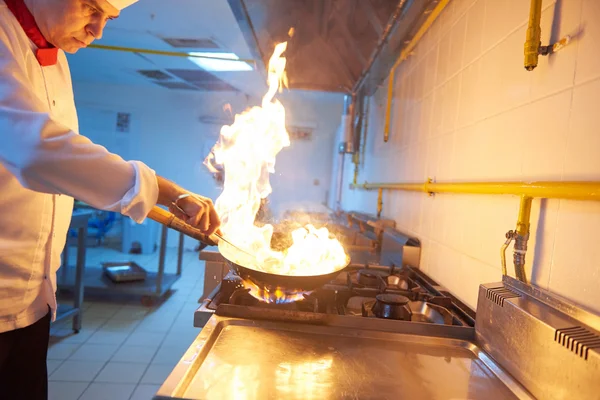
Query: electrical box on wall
x=123, y=122
x=300, y=133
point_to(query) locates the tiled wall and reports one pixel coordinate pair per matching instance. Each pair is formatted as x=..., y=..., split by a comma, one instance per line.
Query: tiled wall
x=465, y=109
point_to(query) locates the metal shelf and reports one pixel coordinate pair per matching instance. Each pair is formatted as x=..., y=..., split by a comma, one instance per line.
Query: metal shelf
x=95, y=282
x=155, y=286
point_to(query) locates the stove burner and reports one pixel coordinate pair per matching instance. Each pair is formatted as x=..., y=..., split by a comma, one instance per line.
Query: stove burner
x=370, y=278
x=392, y=306
x=392, y=299
x=398, y=282
x=362, y=291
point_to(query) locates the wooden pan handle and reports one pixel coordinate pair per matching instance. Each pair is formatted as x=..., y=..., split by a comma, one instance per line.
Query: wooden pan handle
x=168, y=219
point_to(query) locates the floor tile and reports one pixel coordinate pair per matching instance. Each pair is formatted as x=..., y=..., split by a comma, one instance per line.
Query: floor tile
x=179, y=336
x=108, y=337
x=144, y=392
x=117, y=372
x=68, y=336
x=95, y=352
x=170, y=354
x=120, y=325
x=77, y=371
x=157, y=373
x=145, y=339
x=157, y=326
x=135, y=354
x=108, y=391
x=61, y=351
x=92, y=323
x=65, y=390
x=131, y=312
x=102, y=310
x=52, y=365
x=120, y=352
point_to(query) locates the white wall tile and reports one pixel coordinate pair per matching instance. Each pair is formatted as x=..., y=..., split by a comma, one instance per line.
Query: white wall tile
x=515, y=79
x=430, y=70
x=495, y=121
x=457, y=46
x=473, y=273
x=575, y=266
x=445, y=167
x=474, y=38
x=544, y=137
x=582, y=161
x=461, y=7
x=538, y=261
x=496, y=215
x=442, y=60
x=451, y=92
x=588, y=62
x=469, y=102
x=501, y=18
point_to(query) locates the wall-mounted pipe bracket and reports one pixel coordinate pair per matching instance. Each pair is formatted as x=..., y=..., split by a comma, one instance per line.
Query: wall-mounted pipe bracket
x=533, y=44
x=429, y=192
x=379, y=202
x=510, y=235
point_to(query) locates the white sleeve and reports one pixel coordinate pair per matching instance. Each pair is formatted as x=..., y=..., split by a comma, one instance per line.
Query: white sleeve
x=46, y=156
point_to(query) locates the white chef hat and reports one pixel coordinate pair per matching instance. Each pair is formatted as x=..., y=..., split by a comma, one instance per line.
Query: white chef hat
x=121, y=4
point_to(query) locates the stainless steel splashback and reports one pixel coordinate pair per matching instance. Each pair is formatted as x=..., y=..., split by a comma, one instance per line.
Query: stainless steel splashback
x=549, y=344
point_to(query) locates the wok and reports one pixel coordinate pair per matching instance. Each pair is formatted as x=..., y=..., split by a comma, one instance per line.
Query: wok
x=240, y=264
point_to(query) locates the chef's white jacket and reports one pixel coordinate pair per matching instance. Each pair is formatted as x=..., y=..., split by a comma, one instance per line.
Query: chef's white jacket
x=44, y=164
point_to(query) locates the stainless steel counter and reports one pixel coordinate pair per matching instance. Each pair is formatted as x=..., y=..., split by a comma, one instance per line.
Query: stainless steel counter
x=236, y=358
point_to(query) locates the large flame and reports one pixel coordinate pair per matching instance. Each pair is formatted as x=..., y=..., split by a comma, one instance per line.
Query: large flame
x=247, y=150
x=276, y=295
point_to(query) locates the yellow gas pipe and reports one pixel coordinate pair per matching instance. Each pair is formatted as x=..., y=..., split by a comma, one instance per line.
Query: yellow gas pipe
x=407, y=51
x=543, y=190
x=526, y=190
x=534, y=35
x=379, y=203
x=165, y=53
x=388, y=106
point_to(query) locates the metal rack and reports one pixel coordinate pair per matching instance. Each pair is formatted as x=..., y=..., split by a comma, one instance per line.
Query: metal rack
x=154, y=287
x=79, y=221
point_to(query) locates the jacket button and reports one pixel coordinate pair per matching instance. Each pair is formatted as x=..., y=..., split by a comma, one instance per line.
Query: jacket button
x=53, y=102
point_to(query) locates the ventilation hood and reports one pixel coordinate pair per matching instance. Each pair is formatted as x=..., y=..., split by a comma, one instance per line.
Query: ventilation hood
x=337, y=45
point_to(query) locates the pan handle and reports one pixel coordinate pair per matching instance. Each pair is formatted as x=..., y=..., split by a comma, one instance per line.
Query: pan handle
x=164, y=217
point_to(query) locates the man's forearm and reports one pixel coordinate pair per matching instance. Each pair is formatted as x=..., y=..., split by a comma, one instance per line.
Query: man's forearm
x=168, y=191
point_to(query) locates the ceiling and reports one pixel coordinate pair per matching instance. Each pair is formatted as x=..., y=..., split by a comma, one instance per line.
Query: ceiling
x=146, y=24
x=333, y=45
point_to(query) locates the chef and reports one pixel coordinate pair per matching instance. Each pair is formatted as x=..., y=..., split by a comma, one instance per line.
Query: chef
x=44, y=164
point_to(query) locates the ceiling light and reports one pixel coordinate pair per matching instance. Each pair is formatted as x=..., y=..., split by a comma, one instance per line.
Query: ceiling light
x=219, y=62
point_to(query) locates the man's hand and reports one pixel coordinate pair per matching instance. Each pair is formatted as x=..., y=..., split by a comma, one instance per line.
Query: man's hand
x=198, y=211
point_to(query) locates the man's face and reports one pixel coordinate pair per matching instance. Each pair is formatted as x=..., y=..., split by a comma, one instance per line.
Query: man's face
x=73, y=24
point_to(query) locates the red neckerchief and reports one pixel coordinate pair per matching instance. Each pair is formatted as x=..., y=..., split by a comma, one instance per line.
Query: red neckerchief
x=46, y=53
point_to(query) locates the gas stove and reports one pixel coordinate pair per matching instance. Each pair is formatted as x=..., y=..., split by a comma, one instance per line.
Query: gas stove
x=361, y=291
x=384, y=329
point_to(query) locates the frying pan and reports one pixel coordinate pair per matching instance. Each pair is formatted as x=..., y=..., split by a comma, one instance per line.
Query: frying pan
x=241, y=265
x=286, y=283
x=240, y=262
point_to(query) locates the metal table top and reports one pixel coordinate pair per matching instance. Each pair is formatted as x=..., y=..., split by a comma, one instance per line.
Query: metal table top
x=236, y=358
